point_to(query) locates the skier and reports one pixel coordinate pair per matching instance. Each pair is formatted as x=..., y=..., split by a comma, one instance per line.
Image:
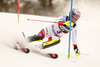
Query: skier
x=55, y=31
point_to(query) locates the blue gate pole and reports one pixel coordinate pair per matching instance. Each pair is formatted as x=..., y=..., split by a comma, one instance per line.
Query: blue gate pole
x=70, y=30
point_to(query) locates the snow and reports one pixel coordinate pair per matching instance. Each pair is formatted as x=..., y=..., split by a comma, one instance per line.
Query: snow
x=10, y=31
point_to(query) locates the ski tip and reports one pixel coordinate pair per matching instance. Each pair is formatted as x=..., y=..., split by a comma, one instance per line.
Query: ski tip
x=54, y=56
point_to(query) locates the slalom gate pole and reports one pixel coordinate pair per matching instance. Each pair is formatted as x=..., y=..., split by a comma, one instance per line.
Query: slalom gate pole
x=41, y=20
x=70, y=30
x=18, y=9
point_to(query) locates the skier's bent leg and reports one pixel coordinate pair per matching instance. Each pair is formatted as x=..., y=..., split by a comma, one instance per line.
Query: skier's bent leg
x=40, y=36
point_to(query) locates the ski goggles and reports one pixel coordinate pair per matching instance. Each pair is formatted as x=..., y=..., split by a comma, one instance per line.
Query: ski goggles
x=76, y=16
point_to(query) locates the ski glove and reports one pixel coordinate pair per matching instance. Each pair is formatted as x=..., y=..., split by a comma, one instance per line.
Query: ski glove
x=77, y=52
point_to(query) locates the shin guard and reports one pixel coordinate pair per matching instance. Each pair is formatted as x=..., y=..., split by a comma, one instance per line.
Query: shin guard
x=50, y=43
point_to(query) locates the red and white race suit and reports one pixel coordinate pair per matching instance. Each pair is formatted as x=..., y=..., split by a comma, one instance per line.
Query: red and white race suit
x=54, y=31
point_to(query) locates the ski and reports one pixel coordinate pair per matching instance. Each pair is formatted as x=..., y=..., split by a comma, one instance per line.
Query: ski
x=17, y=46
x=42, y=53
x=54, y=56
x=26, y=50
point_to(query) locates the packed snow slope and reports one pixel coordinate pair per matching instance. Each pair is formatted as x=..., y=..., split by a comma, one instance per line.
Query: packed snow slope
x=10, y=31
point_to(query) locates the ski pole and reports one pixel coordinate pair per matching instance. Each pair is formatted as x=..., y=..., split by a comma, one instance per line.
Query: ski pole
x=41, y=20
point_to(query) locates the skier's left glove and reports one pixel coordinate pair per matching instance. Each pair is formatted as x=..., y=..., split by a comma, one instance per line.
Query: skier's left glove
x=77, y=52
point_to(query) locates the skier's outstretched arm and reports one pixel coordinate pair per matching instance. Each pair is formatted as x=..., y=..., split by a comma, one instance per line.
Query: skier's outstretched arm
x=74, y=40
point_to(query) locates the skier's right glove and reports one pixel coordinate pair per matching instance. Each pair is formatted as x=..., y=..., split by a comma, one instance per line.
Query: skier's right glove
x=77, y=52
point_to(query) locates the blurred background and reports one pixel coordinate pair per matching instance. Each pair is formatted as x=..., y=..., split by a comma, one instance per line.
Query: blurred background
x=54, y=8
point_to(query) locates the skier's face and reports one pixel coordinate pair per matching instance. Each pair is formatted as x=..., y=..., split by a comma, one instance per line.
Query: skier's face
x=74, y=19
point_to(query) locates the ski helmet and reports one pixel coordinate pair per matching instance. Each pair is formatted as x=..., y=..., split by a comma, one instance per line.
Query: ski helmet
x=76, y=13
